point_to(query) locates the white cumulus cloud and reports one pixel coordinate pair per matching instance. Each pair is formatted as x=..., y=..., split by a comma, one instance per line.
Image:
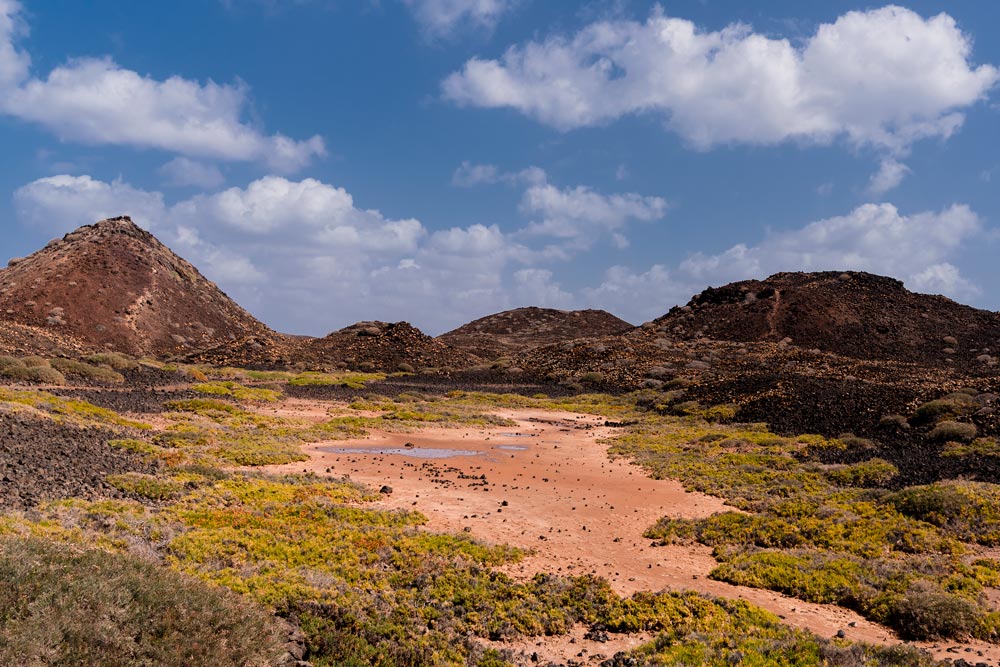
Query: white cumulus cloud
x=883, y=78
x=580, y=215
x=890, y=174
x=96, y=101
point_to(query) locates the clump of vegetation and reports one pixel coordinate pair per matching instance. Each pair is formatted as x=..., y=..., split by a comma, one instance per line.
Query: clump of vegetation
x=967, y=510
x=138, y=446
x=734, y=633
x=237, y=391
x=217, y=432
x=349, y=380
x=149, y=487
x=46, y=375
x=952, y=431
x=982, y=447
x=66, y=409
x=65, y=606
x=953, y=405
x=30, y=369
x=928, y=611
x=894, y=422
x=368, y=587
x=113, y=360
x=87, y=371
x=871, y=473
x=828, y=534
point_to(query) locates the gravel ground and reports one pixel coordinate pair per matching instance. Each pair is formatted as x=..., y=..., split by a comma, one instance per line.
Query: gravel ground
x=41, y=460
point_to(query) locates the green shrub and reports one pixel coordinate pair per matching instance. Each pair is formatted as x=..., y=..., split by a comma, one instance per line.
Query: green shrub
x=928, y=612
x=36, y=374
x=894, y=422
x=214, y=388
x=137, y=446
x=876, y=472
x=115, y=360
x=721, y=413
x=64, y=607
x=592, y=378
x=952, y=431
x=969, y=510
x=33, y=361
x=953, y=405
x=10, y=362
x=87, y=371
x=146, y=486
x=237, y=391
x=45, y=375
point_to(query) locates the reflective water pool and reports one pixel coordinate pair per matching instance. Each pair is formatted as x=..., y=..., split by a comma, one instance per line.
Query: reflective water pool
x=412, y=452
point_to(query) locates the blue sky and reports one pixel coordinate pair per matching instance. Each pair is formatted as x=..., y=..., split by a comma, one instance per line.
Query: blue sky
x=438, y=160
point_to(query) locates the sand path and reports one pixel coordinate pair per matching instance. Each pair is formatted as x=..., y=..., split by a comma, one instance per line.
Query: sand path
x=548, y=485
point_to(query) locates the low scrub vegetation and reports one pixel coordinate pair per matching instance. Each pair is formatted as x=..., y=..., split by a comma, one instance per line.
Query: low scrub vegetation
x=370, y=587
x=373, y=587
x=34, y=370
x=829, y=534
x=66, y=606
x=65, y=409
x=113, y=360
x=237, y=391
x=88, y=372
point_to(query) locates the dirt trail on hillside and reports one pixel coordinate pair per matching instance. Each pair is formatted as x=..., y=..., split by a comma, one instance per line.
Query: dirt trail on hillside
x=547, y=485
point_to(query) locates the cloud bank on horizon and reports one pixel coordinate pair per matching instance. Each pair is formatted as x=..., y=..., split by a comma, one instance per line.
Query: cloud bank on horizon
x=305, y=256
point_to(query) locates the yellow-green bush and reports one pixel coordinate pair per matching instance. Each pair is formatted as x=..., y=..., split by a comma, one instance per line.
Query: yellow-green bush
x=237, y=391
x=150, y=487
x=968, y=510
x=874, y=472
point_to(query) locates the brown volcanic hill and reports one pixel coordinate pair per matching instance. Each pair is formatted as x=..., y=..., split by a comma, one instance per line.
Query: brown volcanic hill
x=857, y=315
x=517, y=330
x=382, y=346
x=114, y=285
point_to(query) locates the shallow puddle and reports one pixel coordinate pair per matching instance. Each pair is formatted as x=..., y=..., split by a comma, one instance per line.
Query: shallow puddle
x=513, y=448
x=412, y=452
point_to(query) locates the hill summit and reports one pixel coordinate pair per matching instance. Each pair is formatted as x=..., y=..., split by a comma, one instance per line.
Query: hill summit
x=523, y=328
x=114, y=285
x=852, y=314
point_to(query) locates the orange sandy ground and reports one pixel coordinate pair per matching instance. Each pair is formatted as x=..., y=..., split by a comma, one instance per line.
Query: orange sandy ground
x=577, y=510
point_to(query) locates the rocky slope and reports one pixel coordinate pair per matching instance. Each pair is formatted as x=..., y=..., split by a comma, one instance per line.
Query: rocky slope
x=856, y=315
x=21, y=339
x=113, y=285
x=523, y=328
x=382, y=346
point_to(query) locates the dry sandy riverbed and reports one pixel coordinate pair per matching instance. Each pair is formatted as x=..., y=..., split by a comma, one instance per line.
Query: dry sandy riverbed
x=548, y=485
